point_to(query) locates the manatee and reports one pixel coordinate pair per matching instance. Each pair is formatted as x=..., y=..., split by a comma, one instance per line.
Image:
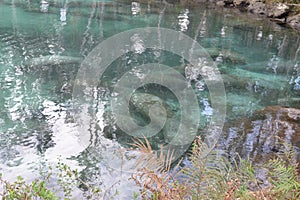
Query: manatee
x=53, y=60
x=270, y=81
x=287, y=101
x=275, y=66
x=143, y=101
x=228, y=56
x=241, y=104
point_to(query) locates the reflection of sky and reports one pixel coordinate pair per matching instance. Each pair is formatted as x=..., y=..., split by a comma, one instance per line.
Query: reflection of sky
x=208, y=110
x=135, y=8
x=297, y=83
x=44, y=6
x=183, y=20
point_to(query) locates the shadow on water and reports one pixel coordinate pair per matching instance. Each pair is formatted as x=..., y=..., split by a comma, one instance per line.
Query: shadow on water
x=41, y=51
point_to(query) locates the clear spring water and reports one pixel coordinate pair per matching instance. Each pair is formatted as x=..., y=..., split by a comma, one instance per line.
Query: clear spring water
x=258, y=60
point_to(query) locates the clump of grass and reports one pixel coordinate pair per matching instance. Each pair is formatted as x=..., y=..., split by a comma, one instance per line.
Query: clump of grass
x=155, y=176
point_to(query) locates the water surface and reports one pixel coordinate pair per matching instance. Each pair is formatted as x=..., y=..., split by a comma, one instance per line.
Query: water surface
x=258, y=61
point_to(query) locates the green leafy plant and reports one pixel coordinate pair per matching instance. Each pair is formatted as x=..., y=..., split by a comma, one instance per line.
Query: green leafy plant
x=67, y=180
x=22, y=190
x=283, y=174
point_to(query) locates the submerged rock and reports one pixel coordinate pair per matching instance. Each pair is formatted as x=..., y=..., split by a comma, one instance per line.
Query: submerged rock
x=261, y=136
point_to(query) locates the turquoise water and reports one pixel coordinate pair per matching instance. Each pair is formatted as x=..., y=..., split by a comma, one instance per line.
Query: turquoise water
x=258, y=61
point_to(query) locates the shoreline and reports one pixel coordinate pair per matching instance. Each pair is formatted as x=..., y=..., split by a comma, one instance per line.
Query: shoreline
x=285, y=14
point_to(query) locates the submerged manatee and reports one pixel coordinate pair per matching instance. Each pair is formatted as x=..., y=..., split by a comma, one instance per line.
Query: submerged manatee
x=53, y=60
x=142, y=103
x=272, y=66
x=246, y=77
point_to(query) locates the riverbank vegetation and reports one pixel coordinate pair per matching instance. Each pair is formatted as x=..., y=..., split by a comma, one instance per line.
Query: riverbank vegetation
x=205, y=177
x=216, y=177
